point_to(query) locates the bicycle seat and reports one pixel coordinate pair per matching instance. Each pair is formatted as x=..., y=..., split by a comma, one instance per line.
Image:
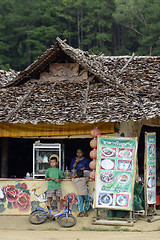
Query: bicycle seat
x=49, y=207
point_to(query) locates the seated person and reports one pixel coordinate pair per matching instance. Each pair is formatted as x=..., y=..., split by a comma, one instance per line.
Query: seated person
x=79, y=162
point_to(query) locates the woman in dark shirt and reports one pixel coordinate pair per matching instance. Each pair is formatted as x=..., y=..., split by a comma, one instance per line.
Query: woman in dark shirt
x=79, y=162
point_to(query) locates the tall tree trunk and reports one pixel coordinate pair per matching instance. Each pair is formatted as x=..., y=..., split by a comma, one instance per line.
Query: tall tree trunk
x=122, y=36
x=99, y=30
x=114, y=37
x=29, y=53
x=150, y=50
x=78, y=28
x=82, y=28
x=69, y=28
x=118, y=37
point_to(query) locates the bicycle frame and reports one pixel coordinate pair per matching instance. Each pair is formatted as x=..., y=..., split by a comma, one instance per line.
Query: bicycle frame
x=49, y=213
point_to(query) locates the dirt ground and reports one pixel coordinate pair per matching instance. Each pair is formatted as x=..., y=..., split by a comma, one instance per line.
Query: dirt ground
x=75, y=235
x=85, y=223
x=19, y=227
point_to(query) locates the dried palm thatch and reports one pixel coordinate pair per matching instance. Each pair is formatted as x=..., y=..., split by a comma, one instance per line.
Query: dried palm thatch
x=69, y=85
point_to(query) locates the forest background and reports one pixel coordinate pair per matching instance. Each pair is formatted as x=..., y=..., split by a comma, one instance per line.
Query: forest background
x=111, y=27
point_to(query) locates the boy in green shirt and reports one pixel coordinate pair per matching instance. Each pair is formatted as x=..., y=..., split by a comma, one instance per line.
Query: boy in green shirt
x=54, y=176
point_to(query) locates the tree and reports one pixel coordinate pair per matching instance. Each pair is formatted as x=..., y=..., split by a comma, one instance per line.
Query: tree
x=97, y=26
x=142, y=18
x=117, y=27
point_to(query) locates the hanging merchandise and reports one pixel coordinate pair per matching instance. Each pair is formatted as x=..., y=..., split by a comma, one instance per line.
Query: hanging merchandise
x=93, y=143
x=92, y=165
x=92, y=175
x=95, y=132
x=93, y=154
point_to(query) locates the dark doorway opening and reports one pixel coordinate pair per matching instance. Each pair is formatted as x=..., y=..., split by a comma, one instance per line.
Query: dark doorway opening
x=141, y=147
x=20, y=153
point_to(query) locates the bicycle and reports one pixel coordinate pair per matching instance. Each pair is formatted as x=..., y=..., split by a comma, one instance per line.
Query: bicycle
x=65, y=219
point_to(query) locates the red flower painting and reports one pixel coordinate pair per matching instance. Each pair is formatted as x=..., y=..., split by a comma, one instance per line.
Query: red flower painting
x=23, y=185
x=64, y=201
x=72, y=195
x=11, y=193
x=23, y=202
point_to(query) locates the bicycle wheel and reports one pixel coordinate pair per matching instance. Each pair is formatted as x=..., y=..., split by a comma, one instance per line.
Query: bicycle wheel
x=37, y=217
x=64, y=222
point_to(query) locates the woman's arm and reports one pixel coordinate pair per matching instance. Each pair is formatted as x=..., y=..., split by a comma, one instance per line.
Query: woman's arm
x=73, y=163
x=76, y=162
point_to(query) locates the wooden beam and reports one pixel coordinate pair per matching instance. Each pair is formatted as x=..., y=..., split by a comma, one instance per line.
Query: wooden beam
x=86, y=98
x=86, y=94
x=153, y=219
x=20, y=103
x=130, y=59
x=112, y=222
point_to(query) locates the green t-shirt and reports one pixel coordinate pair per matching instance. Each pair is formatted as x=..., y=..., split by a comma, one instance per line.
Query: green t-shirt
x=57, y=174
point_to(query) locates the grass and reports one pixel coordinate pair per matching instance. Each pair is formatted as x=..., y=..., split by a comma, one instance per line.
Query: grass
x=114, y=229
x=50, y=229
x=136, y=230
x=42, y=229
x=95, y=229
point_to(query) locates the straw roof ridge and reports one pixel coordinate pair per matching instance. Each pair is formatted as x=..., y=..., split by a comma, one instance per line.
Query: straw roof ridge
x=97, y=65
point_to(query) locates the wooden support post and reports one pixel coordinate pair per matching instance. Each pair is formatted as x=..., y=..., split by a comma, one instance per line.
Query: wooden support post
x=131, y=214
x=154, y=218
x=95, y=213
x=4, y=158
x=112, y=223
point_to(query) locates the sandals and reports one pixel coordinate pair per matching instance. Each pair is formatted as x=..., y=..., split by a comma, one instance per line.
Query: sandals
x=85, y=214
x=80, y=215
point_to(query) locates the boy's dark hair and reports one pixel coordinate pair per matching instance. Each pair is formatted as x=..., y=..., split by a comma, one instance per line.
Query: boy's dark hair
x=53, y=158
x=80, y=173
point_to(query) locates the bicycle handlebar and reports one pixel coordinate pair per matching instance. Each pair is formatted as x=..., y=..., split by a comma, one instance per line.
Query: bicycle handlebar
x=69, y=199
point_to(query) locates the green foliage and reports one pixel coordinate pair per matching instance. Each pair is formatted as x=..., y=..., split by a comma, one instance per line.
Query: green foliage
x=112, y=27
x=113, y=229
x=142, y=18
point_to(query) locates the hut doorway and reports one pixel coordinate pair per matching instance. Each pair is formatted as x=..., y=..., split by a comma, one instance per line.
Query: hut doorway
x=20, y=153
x=141, y=147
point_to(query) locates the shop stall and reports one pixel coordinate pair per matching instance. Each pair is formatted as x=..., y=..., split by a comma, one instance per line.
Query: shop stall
x=28, y=158
x=57, y=101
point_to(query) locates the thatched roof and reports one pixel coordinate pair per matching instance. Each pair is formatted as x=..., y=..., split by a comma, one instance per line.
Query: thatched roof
x=6, y=77
x=116, y=89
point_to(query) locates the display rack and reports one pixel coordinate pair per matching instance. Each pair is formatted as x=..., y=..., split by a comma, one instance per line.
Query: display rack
x=41, y=155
